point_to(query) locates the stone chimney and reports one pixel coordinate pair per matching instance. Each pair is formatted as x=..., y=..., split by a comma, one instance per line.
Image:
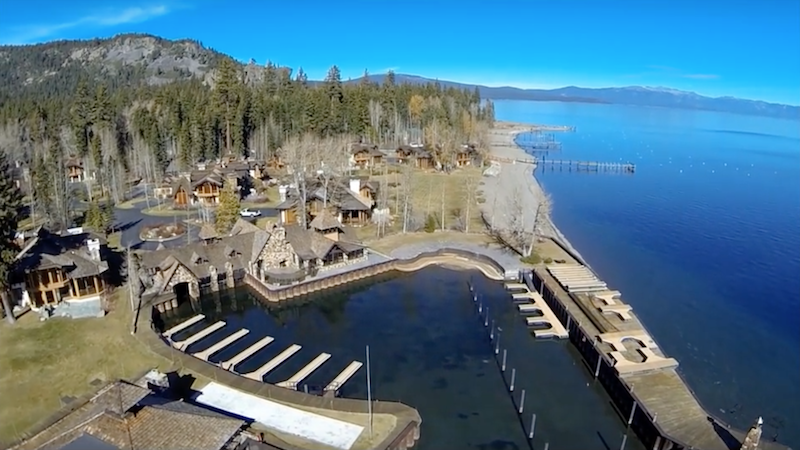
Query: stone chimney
x=93, y=245
x=355, y=185
x=282, y=190
x=753, y=437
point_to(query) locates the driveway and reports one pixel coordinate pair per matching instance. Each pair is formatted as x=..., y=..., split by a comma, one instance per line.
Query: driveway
x=130, y=223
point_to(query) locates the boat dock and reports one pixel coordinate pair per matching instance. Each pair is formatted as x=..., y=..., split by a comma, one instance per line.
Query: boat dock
x=586, y=166
x=303, y=373
x=530, y=302
x=182, y=345
x=205, y=354
x=259, y=373
x=642, y=382
x=182, y=326
x=343, y=376
x=246, y=353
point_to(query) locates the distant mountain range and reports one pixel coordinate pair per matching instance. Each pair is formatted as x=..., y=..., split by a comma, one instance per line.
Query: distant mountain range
x=141, y=59
x=632, y=95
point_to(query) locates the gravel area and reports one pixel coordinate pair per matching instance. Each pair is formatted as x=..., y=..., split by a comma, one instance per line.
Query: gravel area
x=513, y=178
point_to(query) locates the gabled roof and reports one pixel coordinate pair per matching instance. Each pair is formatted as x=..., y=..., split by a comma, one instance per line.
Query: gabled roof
x=325, y=221
x=47, y=250
x=340, y=196
x=309, y=244
x=371, y=149
x=112, y=419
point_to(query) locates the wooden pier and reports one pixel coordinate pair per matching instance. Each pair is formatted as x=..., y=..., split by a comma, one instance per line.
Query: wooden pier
x=259, y=373
x=246, y=353
x=205, y=354
x=205, y=332
x=303, y=373
x=586, y=166
x=345, y=375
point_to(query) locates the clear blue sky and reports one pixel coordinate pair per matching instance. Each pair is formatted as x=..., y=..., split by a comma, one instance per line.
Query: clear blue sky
x=742, y=48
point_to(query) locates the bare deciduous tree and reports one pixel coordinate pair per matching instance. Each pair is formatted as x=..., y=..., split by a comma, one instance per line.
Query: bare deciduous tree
x=405, y=193
x=470, y=187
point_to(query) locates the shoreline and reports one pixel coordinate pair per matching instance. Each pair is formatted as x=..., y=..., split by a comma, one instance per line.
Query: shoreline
x=520, y=177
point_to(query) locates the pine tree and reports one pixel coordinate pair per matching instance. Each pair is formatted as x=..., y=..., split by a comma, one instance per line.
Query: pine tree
x=10, y=209
x=225, y=90
x=228, y=209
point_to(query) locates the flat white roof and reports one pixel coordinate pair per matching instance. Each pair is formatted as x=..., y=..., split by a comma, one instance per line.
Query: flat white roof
x=310, y=426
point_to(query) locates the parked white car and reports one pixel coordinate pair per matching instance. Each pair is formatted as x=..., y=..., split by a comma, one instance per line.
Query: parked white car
x=247, y=213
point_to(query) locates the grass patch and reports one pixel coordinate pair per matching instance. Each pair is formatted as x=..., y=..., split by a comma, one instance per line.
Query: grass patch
x=114, y=241
x=130, y=204
x=271, y=200
x=43, y=361
x=388, y=244
x=429, y=192
x=28, y=223
x=166, y=211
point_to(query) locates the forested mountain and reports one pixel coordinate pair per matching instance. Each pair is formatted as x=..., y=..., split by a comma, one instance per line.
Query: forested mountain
x=110, y=105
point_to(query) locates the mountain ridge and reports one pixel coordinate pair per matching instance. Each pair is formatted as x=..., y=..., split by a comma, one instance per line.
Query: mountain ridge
x=53, y=68
x=660, y=96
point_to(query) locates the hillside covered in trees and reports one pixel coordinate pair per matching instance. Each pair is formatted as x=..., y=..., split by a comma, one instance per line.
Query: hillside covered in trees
x=124, y=126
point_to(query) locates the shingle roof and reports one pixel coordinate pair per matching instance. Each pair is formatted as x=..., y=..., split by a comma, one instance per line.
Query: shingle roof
x=325, y=221
x=49, y=250
x=110, y=417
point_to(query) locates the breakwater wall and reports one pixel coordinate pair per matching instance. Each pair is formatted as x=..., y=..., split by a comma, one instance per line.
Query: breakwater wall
x=446, y=256
x=638, y=395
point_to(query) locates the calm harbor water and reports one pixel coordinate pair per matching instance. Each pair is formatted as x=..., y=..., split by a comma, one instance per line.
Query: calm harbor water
x=429, y=349
x=703, y=240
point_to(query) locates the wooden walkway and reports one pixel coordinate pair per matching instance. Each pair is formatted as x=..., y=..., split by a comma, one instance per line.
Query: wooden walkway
x=182, y=326
x=586, y=166
x=345, y=375
x=205, y=354
x=246, y=353
x=259, y=373
x=182, y=345
x=303, y=373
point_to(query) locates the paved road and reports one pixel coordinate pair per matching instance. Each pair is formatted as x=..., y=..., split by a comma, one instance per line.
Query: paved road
x=131, y=221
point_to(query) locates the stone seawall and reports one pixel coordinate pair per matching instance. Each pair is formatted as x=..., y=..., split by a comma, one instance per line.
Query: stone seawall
x=447, y=257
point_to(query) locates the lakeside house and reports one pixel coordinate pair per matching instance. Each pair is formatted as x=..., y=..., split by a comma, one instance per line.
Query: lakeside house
x=204, y=184
x=57, y=268
x=467, y=155
x=284, y=253
x=128, y=416
x=365, y=156
x=351, y=201
x=417, y=156
x=76, y=173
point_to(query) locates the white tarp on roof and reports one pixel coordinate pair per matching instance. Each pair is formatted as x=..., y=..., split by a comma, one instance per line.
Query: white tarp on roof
x=282, y=418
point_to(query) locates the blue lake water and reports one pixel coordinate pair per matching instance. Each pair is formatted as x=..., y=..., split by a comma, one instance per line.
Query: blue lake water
x=428, y=349
x=703, y=240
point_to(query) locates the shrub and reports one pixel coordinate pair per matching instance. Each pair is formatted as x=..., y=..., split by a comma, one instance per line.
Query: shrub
x=430, y=224
x=531, y=259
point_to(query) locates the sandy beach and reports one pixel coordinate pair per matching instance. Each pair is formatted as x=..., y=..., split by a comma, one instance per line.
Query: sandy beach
x=516, y=177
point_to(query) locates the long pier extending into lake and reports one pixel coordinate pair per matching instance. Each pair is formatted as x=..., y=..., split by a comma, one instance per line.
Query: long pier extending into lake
x=588, y=166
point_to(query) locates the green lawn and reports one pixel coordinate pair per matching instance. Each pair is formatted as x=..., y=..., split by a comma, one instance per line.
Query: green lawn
x=43, y=361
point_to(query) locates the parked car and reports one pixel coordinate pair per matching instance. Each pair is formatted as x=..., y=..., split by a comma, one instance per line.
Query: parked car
x=248, y=213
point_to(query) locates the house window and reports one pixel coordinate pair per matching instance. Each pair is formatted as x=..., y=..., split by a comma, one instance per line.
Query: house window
x=50, y=297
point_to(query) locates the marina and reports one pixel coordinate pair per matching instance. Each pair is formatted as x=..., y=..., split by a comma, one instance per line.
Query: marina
x=431, y=368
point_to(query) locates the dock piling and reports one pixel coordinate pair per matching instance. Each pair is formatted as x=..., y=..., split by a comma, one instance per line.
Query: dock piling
x=513, y=378
x=522, y=401
x=624, y=441
x=633, y=411
x=597, y=368
x=546, y=446
x=497, y=346
x=486, y=320
x=503, y=366
x=533, y=426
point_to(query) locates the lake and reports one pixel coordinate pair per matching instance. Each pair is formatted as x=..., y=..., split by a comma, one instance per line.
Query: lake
x=430, y=350
x=703, y=241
